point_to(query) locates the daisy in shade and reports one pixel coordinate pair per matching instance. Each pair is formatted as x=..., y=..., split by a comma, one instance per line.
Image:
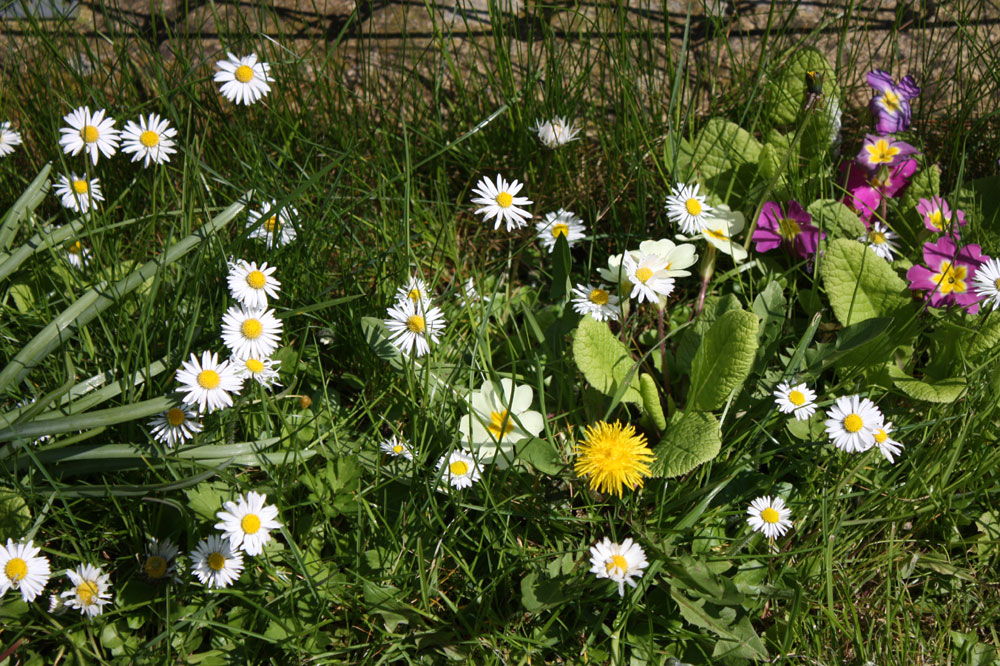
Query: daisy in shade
x=469, y=294
x=77, y=255
x=160, y=563
x=769, y=516
x=887, y=446
x=883, y=151
x=560, y=223
x=793, y=229
x=262, y=370
x=500, y=201
x=397, y=448
x=248, y=523
x=151, y=140
x=556, y=132
x=9, y=139
x=273, y=225
x=938, y=218
x=648, y=276
x=882, y=240
x=252, y=285
x=88, y=131
x=852, y=423
x=214, y=562
x=91, y=590
x=619, y=562
x=500, y=416
x=948, y=274
x=244, y=80
x=176, y=425
x=78, y=194
x=251, y=333
x=597, y=302
x=22, y=568
x=614, y=457
x=891, y=107
x=799, y=400
x=208, y=383
x=687, y=208
x=416, y=290
x=459, y=469
x=412, y=329
x=987, y=282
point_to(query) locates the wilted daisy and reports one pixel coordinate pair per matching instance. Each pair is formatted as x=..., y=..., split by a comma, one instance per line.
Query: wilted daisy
x=799, y=400
x=273, y=224
x=500, y=416
x=769, y=516
x=560, y=223
x=252, y=285
x=89, y=131
x=613, y=456
x=619, y=562
x=648, y=277
x=77, y=255
x=150, y=140
x=459, y=469
x=159, y=563
x=244, y=80
x=986, y=283
x=597, y=302
x=415, y=289
x=396, y=447
x=887, y=446
x=248, y=523
x=852, y=423
x=556, y=132
x=208, y=383
x=251, y=333
x=687, y=208
x=215, y=563
x=499, y=201
x=412, y=328
x=882, y=240
x=91, y=590
x=22, y=568
x=262, y=370
x=176, y=425
x=8, y=139
x=78, y=194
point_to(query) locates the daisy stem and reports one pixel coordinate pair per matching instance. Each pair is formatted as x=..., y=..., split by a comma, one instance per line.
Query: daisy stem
x=707, y=269
x=661, y=330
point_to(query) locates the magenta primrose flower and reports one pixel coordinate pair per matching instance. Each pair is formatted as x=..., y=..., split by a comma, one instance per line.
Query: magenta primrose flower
x=865, y=192
x=937, y=216
x=793, y=229
x=891, y=107
x=948, y=275
x=883, y=151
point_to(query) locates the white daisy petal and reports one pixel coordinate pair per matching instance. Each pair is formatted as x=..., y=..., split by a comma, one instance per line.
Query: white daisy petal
x=214, y=562
x=88, y=131
x=91, y=590
x=23, y=569
x=151, y=140
x=248, y=523
x=799, y=400
x=498, y=201
x=769, y=516
x=244, y=80
x=208, y=383
x=686, y=208
x=619, y=562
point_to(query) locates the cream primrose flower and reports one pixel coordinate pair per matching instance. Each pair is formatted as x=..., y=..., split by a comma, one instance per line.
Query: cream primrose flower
x=686, y=208
x=214, y=562
x=22, y=568
x=8, y=139
x=619, y=562
x=770, y=517
x=397, y=448
x=459, y=468
x=887, y=446
x=262, y=370
x=677, y=258
x=721, y=225
x=648, y=277
x=986, y=281
x=799, y=400
x=853, y=422
x=411, y=329
x=556, y=132
x=273, y=225
x=78, y=194
x=208, y=383
x=176, y=425
x=415, y=289
x=560, y=223
x=91, y=590
x=497, y=421
x=248, y=524
x=881, y=239
x=151, y=140
x=252, y=285
x=89, y=131
x=244, y=80
x=159, y=563
x=251, y=333
x=77, y=255
x=499, y=201
x=597, y=302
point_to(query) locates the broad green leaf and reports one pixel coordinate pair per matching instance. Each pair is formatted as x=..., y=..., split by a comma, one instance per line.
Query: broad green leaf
x=651, y=401
x=723, y=360
x=726, y=156
x=539, y=593
x=739, y=638
x=677, y=156
x=694, y=439
x=788, y=91
x=941, y=391
x=691, y=338
x=605, y=361
x=377, y=337
x=540, y=454
x=860, y=284
x=836, y=219
x=24, y=298
x=926, y=183
x=562, y=265
x=810, y=430
x=384, y=600
x=984, y=337
x=15, y=516
x=770, y=306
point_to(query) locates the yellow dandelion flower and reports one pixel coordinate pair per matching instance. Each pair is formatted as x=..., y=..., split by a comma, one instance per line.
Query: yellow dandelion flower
x=613, y=455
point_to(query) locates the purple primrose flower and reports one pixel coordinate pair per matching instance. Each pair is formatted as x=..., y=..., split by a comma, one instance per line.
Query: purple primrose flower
x=793, y=229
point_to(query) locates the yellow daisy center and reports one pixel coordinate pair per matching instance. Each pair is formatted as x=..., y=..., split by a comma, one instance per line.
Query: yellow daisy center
x=256, y=280
x=560, y=230
x=599, y=297
x=414, y=295
x=16, y=569
x=504, y=200
x=996, y=283
x=251, y=329
x=717, y=235
x=272, y=225
x=881, y=436
x=613, y=456
x=81, y=186
x=853, y=423
x=951, y=278
x=616, y=562
x=89, y=133
x=797, y=398
x=250, y=523
x=209, y=379
x=149, y=138
x=876, y=237
x=155, y=566
x=458, y=468
x=75, y=248
x=769, y=515
x=254, y=366
x=216, y=561
x=891, y=102
x=243, y=74
x=788, y=228
x=416, y=324
x=644, y=274
x=175, y=416
x=398, y=449
x=881, y=152
x=693, y=207
x=86, y=591
x=499, y=425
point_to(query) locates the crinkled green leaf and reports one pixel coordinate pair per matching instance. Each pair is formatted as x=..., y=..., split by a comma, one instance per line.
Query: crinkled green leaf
x=691, y=337
x=860, y=284
x=924, y=184
x=942, y=390
x=694, y=439
x=605, y=361
x=980, y=201
x=788, y=91
x=836, y=219
x=651, y=401
x=738, y=638
x=723, y=360
x=726, y=156
x=984, y=337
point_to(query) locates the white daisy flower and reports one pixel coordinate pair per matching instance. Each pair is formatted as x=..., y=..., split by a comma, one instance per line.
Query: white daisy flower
x=648, y=277
x=77, y=255
x=560, y=223
x=176, y=425
x=273, y=225
x=397, y=447
x=91, y=590
x=8, y=139
x=215, y=563
x=208, y=383
x=78, y=194
x=159, y=563
x=852, y=423
x=252, y=285
x=459, y=469
x=89, y=131
x=987, y=283
x=597, y=302
x=22, y=568
x=882, y=240
x=469, y=293
x=262, y=370
x=499, y=201
x=244, y=80
x=799, y=400
x=556, y=132
x=769, y=517
x=887, y=446
x=151, y=140
x=412, y=328
x=248, y=523
x=619, y=562
x=415, y=289
x=687, y=208
x=251, y=333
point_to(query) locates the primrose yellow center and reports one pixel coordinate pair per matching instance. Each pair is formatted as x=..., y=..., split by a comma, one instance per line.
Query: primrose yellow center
x=175, y=416
x=891, y=102
x=643, y=274
x=398, y=449
x=272, y=225
x=881, y=436
x=559, y=230
x=951, y=278
x=254, y=366
x=209, y=379
x=16, y=569
x=693, y=207
x=797, y=398
x=936, y=218
x=75, y=248
x=415, y=323
x=769, y=515
x=881, y=152
x=149, y=138
x=243, y=74
x=499, y=425
x=89, y=133
x=717, y=235
x=504, y=200
x=252, y=329
x=853, y=423
x=256, y=280
x=458, y=468
x=155, y=566
x=216, y=561
x=788, y=228
x=876, y=237
x=81, y=186
x=86, y=591
x=599, y=297
x=616, y=562
x=250, y=523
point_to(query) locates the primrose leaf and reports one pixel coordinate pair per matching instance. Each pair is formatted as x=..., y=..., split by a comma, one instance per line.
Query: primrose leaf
x=860, y=284
x=726, y=156
x=605, y=361
x=723, y=360
x=836, y=219
x=651, y=401
x=941, y=390
x=694, y=439
x=788, y=91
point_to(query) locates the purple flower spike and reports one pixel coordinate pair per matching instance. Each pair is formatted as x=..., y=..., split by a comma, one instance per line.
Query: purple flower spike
x=891, y=108
x=948, y=274
x=794, y=229
x=937, y=216
x=883, y=151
